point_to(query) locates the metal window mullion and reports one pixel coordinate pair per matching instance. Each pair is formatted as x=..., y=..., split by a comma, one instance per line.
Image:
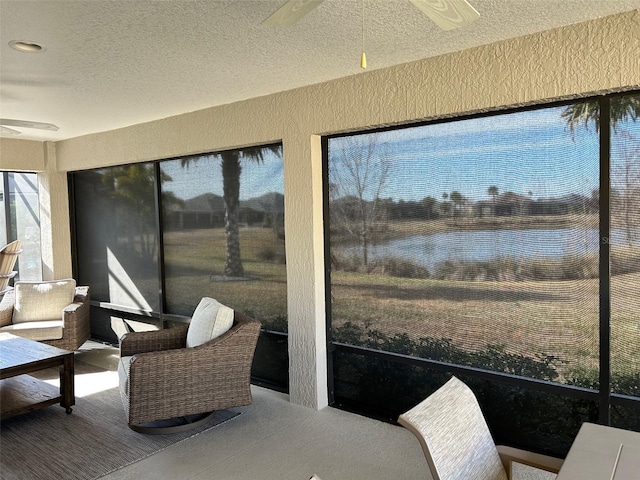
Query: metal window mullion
x=604, y=263
x=7, y=206
x=327, y=272
x=157, y=196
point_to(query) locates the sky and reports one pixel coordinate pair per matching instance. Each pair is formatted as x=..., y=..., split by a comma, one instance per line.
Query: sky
x=205, y=176
x=530, y=151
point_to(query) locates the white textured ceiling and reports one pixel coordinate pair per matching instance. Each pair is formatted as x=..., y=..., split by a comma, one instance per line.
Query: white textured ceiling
x=112, y=63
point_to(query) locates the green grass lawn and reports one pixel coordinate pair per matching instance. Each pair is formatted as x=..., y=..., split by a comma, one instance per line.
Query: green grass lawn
x=558, y=318
x=528, y=318
x=194, y=262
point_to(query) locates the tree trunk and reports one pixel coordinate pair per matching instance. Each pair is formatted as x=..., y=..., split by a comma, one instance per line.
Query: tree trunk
x=231, y=186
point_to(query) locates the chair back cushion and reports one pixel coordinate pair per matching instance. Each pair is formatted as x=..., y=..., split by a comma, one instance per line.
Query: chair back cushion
x=39, y=301
x=454, y=435
x=210, y=320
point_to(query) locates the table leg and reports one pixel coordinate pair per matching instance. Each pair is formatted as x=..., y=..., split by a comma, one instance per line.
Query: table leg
x=66, y=383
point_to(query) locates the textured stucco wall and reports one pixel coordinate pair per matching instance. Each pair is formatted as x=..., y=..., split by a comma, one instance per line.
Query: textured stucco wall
x=21, y=155
x=592, y=57
x=55, y=232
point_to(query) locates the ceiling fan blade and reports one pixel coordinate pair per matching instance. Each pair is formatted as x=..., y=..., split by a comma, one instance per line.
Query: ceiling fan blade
x=26, y=124
x=448, y=14
x=8, y=131
x=291, y=12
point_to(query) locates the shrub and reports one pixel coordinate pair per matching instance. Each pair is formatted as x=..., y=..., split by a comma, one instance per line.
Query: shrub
x=389, y=267
x=276, y=323
x=569, y=267
x=519, y=416
x=346, y=263
x=492, y=357
x=266, y=253
x=398, y=267
x=502, y=269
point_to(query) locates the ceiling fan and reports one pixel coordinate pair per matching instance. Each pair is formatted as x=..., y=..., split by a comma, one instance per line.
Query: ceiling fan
x=447, y=14
x=5, y=123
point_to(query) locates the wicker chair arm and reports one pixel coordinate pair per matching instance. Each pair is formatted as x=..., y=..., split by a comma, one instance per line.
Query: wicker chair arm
x=133, y=343
x=78, y=312
x=536, y=460
x=79, y=309
x=75, y=313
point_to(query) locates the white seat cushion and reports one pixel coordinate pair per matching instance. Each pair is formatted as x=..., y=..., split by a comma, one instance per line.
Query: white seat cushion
x=45, y=330
x=38, y=301
x=210, y=320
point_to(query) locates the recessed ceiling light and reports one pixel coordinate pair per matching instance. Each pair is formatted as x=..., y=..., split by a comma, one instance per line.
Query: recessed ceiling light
x=23, y=46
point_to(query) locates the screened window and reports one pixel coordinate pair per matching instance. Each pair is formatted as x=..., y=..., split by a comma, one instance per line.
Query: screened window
x=117, y=245
x=625, y=247
x=473, y=247
x=152, y=239
x=223, y=217
x=20, y=220
x=479, y=235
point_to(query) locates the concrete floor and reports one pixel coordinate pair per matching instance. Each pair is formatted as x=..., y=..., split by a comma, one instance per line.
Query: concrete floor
x=274, y=439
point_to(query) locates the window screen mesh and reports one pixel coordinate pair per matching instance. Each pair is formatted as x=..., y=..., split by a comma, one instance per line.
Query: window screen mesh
x=242, y=266
x=625, y=246
x=472, y=241
x=24, y=208
x=116, y=236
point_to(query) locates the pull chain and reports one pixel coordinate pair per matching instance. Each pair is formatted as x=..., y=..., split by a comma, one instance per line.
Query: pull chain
x=363, y=59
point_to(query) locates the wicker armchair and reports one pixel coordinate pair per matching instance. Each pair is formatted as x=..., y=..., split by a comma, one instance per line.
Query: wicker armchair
x=161, y=378
x=74, y=322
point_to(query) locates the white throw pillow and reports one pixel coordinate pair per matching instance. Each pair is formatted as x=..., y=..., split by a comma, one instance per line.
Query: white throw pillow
x=38, y=301
x=210, y=320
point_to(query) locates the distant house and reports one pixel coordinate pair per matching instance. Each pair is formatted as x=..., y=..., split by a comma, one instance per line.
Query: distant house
x=208, y=211
x=266, y=210
x=483, y=208
x=204, y=211
x=571, y=203
x=511, y=204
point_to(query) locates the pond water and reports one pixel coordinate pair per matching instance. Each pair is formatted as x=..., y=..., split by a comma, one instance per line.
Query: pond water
x=483, y=245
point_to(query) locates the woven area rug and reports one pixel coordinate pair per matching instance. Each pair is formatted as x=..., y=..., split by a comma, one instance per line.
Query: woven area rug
x=90, y=442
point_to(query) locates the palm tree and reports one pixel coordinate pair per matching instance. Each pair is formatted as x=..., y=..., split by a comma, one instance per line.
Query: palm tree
x=458, y=199
x=622, y=109
x=230, y=163
x=445, y=206
x=493, y=191
x=231, y=170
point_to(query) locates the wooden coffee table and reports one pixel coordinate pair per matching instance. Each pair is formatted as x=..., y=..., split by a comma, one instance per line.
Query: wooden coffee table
x=21, y=393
